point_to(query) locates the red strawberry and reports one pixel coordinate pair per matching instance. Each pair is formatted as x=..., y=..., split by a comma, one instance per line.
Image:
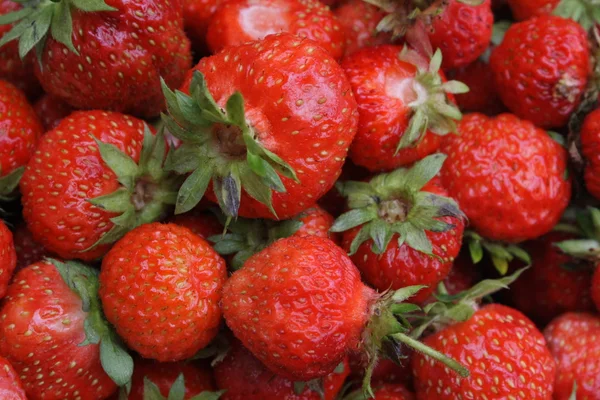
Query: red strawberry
x=284, y=142
x=51, y=110
x=203, y=224
x=316, y=222
x=509, y=177
x=359, y=20
x=8, y=258
x=10, y=384
x=243, y=377
x=526, y=9
x=197, y=15
x=388, y=391
x=239, y=21
x=160, y=288
x=403, y=105
x=109, y=54
x=590, y=147
x=88, y=183
x=504, y=351
x=482, y=95
x=541, y=69
x=574, y=341
x=28, y=250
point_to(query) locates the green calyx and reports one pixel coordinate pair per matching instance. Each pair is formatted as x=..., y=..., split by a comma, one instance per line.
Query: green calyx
x=586, y=248
x=177, y=391
x=83, y=280
x=9, y=184
x=316, y=385
x=393, y=203
x=500, y=253
x=586, y=12
x=219, y=145
x=146, y=191
x=38, y=18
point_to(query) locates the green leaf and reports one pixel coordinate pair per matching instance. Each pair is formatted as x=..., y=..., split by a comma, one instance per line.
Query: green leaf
x=272, y=180
x=229, y=194
x=36, y=31
x=417, y=239
x=455, y=87
x=177, y=391
x=118, y=201
x=281, y=166
x=62, y=25
x=15, y=16
x=499, y=30
x=436, y=62
x=235, y=110
x=256, y=188
x=519, y=253
x=186, y=158
x=417, y=127
x=10, y=182
x=193, y=189
x=381, y=235
x=573, y=395
x=204, y=98
x=476, y=251
x=403, y=294
x=209, y=395
x=92, y=5
x=353, y=218
x=120, y=163
x=151, y=391
x=501, y=264
x=424, y=170
x=115, y=360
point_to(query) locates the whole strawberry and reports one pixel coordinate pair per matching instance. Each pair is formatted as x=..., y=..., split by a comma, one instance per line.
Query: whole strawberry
x=8, y=258
x=482, y=96
x=94, y=177
x=176, y=279
x=51, y=110
x=270, y=135
x=10, y=384
x=509, y=177
x=359, y=19
x=106, y=55
x=541, y=69
x=590, y=147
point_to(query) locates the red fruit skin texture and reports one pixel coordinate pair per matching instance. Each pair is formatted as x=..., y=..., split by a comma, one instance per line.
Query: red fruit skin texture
x=378, y=78
x=123, y=55
x=541, y=69
x=299, y=306
x=8, y=258
x=482, y=96
x=526, y=9
x=574, y=341
x=239, y=21
x=28, y=250
x=596, y=287
x=590, y=147
x=359, y=20
x=20, y=128
x=401, y=266
x=197, y=15
x=504, y=352
x=305, y=115
x=508, y=177
x=160, y=286
x=462, y=32
x=51, y=110
x=316, y=222
x=245, y=378
x=391, y=391
x=203, y=224
x=66, y=171
x=10, y=384
x=41, y=328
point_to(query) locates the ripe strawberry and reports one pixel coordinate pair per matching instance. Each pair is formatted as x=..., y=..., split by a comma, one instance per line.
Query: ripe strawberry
x=316, y=222
x=509, y=177
x=403, y=105
x=51, y=110
x=290, y=117
x=28, y=250
x=53, y=332
x=197, y=15
x=541, y=69
x=526, y=9
x=176, y=279
x=590, y=147
x=203, y=224
x=389, y=391
x=358, y=19
x=106, y=55
x=243, y=377
x=10, y=384
x=482, y=95
x=93, y=178
x=21, y=130
x=401, y=229
x=8, y=258
x=574, y=341
x=239, y=21
x=504, y=352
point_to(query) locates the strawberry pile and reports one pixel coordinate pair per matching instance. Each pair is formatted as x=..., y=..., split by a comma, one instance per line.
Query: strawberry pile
x=299, y=199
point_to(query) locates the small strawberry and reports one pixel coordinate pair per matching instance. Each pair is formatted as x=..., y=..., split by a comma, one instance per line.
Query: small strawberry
x=404, y=103
x=316, y=222
x=160, y=287
x=239, y=21
x=197, y=15
x=10, y=384
x=574, y=341
x=482, y=96
x=359, y=20
x=590, y=147
x=270, y=135
x=51, y=110
x=28, y=250
x=388, y=391
x=541, y=69
x=8, y=258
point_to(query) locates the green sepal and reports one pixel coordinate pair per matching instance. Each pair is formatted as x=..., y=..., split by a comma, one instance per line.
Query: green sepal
x=573, y=395
x=500, y=253
x=176, y=392
x=586, y=12
x=9, y=184
x=587, y=247
x=499, y=30
x=315, y=385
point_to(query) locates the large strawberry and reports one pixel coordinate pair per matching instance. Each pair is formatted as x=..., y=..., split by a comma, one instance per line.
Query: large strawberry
x=590, y=147
x=107, y=55
x=404, y=103
x=270, y=134
x=51, y=110
x=359, y=21
x=94, y=177
x=10, y=384
x=175, y=278
x=541, y=69
x=8, y=258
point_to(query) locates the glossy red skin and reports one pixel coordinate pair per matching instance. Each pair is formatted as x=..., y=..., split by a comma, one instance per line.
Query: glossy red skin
x=51, y=110
x=383, y=118
x=500, y=347
x=482, y=95
x=507, y=175
x=28, y=250
x=596, y=287
x=401, y=266
x=160, y=286
x=462, y=31
x=8, y=258
x=20, y=128
x=141, y=49
x=10, y=384
x=312, y=138
x=66, y=171
x=590, y=147
x=392, y=391
x=526, y=9
x=41, y=303
x=316, y=222
x=299, y=306
x=359, y=20
x=197, y=15
x=307, y=19
x=532, y=64
x=574, y=341
x=244, y=377
x=203, y=224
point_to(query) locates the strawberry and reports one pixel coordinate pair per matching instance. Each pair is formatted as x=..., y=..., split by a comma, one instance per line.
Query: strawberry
x=10, y=384
x=541, y=69
x=316, y=222
x=51, y=110
x=8, y=258
x=239, y=21
x=482, y=95
x=526, y=9
x=21, y=130
x=504, y=352
x=574, y=341
x=160, y=287
x=401, y=229
x=358, y=19
x=197, y=15
x=28, y=250
x=387, y=391
x=590, y=147
x=583, y=11
x=106, y=55
x=243, y=377
x=281, y=121
x=53, y=332
x=203, y=224
x=404, y=103
x=94, y=177
x=494, y=170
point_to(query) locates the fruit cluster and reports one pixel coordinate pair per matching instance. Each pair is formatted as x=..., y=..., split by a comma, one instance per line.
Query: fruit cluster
x=299, y=199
